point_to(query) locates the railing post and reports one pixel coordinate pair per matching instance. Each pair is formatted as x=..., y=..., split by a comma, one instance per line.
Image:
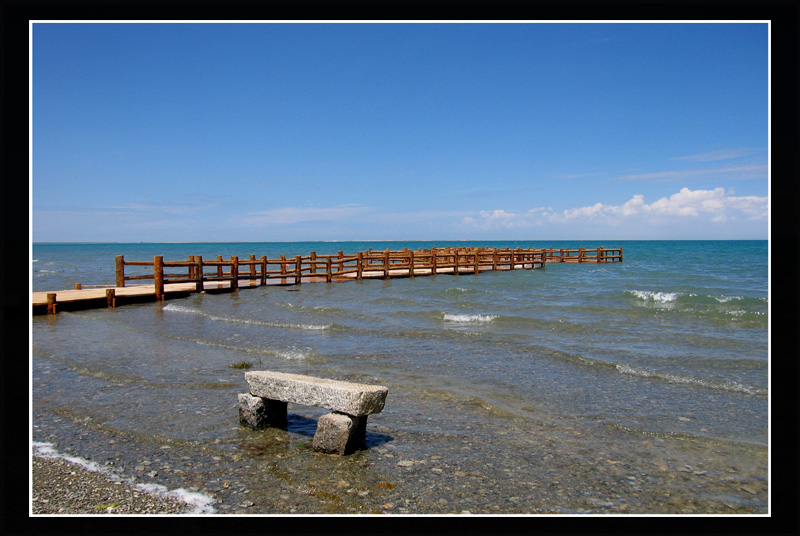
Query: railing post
x=411, y=264
x=198, y=259
x=234, y=273
x=283, y=265
x=252, y=268
x=433, y=260
x=456, y=260
x=263, y=269
x=158, y=277
x=120, y=269
x=328, y=274
x=298, y=274
x=191, y=267
x=111, y=297
x=475, y=258
x=360, y=266
x=494, y=258
x=386, y=264
x=313, y=262
x=600, y=254
x=219, y=267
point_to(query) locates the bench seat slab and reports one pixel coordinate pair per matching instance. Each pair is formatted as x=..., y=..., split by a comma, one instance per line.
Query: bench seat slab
x=356, y=399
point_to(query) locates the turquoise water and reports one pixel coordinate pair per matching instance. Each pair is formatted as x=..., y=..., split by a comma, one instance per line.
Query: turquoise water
x=634, y=387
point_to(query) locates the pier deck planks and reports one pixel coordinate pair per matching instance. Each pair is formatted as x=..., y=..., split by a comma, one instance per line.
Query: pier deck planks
x=96, y=297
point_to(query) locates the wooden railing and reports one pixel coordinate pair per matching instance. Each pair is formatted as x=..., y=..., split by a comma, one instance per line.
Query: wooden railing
x=600, y=254
x=385, y=264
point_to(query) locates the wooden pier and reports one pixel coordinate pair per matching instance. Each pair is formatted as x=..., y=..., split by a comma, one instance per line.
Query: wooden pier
x=172, y=279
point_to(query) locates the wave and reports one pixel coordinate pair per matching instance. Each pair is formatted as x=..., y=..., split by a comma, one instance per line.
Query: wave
x=288, y=354
x=464, y=318
x=291, y=355
x=721, y=385
x=200, y=503
x=188, y=310
x=679, y=435
x=733, y=305
x=321, y=311
x=641, y=372
x=652, y=296
x=460, y=291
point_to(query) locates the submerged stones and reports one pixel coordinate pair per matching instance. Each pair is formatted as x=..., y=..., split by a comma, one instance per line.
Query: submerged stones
x=341, y=432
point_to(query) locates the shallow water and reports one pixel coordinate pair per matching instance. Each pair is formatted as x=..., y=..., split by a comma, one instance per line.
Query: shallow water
x=639, y=387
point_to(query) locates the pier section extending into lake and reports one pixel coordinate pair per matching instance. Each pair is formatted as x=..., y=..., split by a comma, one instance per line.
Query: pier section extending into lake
x=179, y=278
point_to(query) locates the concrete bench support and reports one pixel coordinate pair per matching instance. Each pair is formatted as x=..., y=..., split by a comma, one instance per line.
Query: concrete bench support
x=262, y=412
x=342, y=431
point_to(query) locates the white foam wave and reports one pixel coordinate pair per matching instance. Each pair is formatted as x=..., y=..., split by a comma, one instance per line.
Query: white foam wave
x=675, y=378
x=292, y=355
x=200, y=503
x=180, y=309
x=658, y=297
x=448, y=317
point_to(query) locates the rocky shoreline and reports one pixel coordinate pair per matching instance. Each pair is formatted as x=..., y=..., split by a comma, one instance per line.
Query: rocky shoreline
x=61, y=487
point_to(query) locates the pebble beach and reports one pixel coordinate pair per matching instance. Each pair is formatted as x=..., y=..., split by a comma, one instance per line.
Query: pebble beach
x=61, y=487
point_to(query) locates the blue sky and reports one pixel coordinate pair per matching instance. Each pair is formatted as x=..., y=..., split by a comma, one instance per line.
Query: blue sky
x=393, y=131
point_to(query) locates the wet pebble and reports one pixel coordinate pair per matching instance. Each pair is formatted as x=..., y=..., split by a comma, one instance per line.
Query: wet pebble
x=749, y=490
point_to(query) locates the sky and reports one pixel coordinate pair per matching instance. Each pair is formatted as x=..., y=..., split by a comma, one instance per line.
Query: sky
x=209, y=132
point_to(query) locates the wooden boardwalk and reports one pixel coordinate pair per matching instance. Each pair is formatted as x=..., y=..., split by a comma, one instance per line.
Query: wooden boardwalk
x=228, y=275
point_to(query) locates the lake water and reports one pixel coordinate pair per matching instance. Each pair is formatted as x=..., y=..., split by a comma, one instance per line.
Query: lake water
x=640, y=387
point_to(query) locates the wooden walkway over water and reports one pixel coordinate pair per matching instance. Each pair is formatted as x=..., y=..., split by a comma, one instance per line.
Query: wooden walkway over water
x=174, y=279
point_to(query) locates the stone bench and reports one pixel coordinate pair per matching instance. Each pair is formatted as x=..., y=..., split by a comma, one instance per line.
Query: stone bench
x=342, y=431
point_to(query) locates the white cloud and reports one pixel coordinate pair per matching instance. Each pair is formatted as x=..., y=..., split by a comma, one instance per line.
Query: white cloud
x=716, y=205
x=711, y=156
x=583, y=212
x=754, y=171
x=508, y=220
x=292, y=215
x=175, y=209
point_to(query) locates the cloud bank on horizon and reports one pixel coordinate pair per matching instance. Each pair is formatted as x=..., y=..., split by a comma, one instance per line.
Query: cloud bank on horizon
x=686, y=206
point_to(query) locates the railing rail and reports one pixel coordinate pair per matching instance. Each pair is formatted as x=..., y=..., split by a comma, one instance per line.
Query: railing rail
x=386, y=263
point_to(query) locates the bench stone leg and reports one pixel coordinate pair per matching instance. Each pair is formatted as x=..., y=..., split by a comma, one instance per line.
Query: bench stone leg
x=340, y=433
x=260, y=412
